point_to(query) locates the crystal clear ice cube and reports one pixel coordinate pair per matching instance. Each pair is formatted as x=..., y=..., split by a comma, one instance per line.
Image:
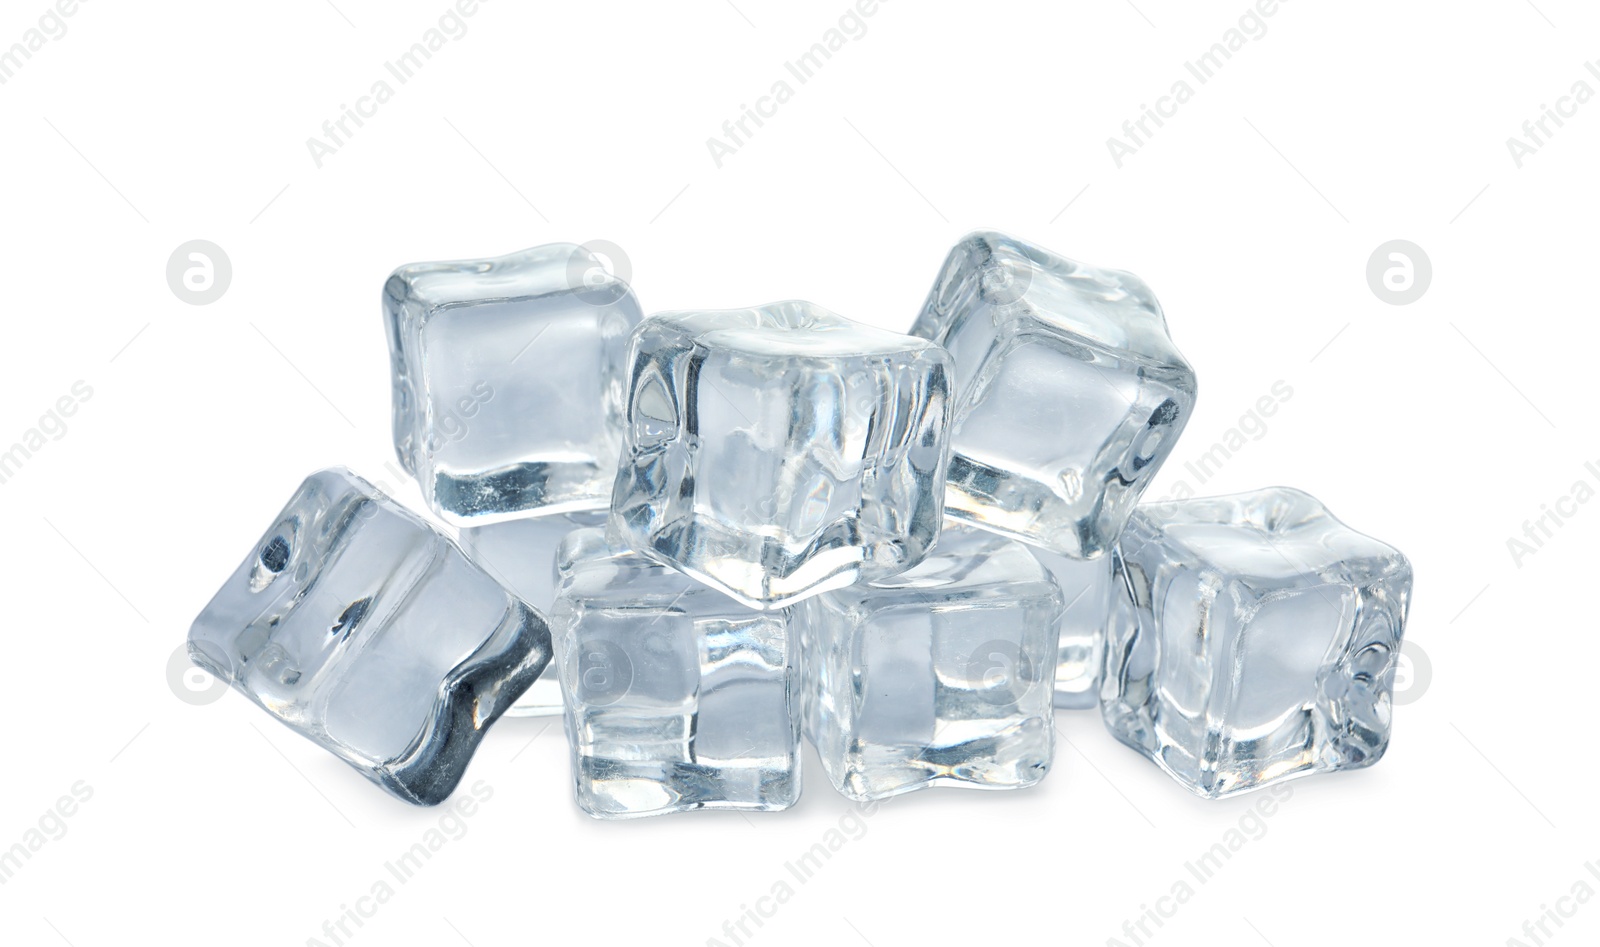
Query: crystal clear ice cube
x=1254, y=639
x=1086, y=590
x=939, y=676
x=1068, y=392
x=521, y=555
x=677, y=697
x=365, y=630
x=507, y=381
x=780, y=451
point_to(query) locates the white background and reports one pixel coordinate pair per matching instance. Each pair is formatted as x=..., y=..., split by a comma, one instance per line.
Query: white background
x=1440, y=426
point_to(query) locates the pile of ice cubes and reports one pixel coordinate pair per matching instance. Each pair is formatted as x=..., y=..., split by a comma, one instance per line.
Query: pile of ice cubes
x=703, y=534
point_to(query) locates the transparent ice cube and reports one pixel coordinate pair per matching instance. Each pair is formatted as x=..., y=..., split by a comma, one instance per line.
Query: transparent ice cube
x=1068, y=392
x=677, y=697
x=1254, y=639
x=507, y=381
x=780, y=451
x=521, y=555
x=1086, y=590
x=363, y=629
x=939, y=676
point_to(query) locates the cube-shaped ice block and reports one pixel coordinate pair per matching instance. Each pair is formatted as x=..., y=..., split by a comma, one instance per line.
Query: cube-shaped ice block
x=1254, y=638
x=780, y=451
x=1068, y=392
x=363, y=629
x=677, y=697
x=939, y=676
x=507, y=381
x=521, y=555
x=1086, y=590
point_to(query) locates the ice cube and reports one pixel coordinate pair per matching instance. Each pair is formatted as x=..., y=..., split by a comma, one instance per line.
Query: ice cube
x=363, y=629
x=1068, y=392
x=507, y=381
x=677, y=697
x=1254, y=639
x=1086, y=590
x=780, y=451
x=941, y=675
x=521, y=555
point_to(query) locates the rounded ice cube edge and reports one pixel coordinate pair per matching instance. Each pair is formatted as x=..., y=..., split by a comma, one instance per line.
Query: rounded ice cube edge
x=478, y=693
x=1215, y=794
x=776, y=604
x=729, y=808
x=1028, y=782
